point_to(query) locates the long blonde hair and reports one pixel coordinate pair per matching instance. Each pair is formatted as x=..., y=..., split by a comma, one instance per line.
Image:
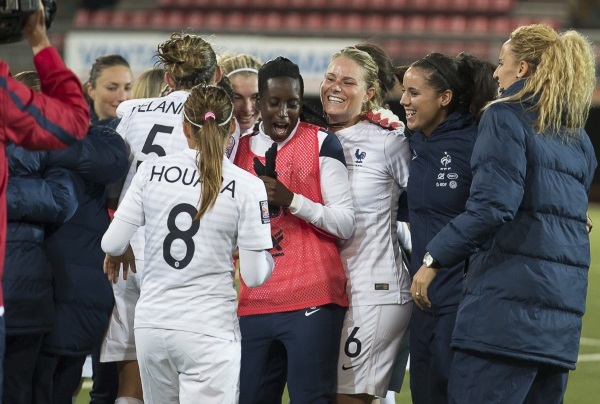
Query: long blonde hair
x=207, y=113
x=562, y=76
x=188, y=59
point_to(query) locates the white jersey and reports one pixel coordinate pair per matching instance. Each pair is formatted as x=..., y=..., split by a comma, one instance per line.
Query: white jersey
x=188, y=273
x=378, y=162
x=154, y=127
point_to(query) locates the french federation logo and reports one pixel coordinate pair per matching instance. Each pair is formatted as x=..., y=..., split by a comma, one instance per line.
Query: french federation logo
x=446, y=159
x=360, y=156
x=264, y=212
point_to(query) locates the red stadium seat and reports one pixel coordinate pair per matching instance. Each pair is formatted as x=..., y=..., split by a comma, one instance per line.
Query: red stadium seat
x=479, y=6
x=438, y=23
x=82, y=18
x=399, y=5
x=293, y=22
x=336, y=22
x=120, y=19
x=354, y=22
x=139, y=19
x=385, y=6
x=256, y=21
x=315, y=21
x=374, y=23
x=176, y=20
x=279, y=4
x=441, y=5
x=157, y=20
x=500, y=25
x=101, y=19
x=239, y=3
x=195, y=20
x=338, y=4
x=234, y=21
x=478, y=25
x=416, y=23
x=458, y=24
x=503, y=6
x=460, y=5
x=395, y=23
x=274, y=21
x=214, y=20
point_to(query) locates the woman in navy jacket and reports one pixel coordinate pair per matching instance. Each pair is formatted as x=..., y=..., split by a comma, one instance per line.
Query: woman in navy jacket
x=83, y=295
x=519, y=320
x=443, y=97
x=36, y=195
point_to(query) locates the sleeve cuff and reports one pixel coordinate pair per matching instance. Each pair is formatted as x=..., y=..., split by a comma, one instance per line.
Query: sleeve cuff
x=296, y=203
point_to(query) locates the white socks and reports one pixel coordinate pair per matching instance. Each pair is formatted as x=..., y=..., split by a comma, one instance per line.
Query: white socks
x=390, y=398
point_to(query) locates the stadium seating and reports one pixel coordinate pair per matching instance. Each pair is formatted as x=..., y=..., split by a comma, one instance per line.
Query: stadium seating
x=412, y=26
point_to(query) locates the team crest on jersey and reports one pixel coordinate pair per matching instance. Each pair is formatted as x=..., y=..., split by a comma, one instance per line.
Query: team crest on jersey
x=360, y=156
x=446, y=159
x=446, y=179
x=264, y=212
x=230, y=146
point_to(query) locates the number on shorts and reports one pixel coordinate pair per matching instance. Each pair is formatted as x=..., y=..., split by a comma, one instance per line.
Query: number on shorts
x=350, y=341
x=149, y=146
x=177, y=234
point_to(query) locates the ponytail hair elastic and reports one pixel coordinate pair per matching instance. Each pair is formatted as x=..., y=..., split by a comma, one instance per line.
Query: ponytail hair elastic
x=209, y=115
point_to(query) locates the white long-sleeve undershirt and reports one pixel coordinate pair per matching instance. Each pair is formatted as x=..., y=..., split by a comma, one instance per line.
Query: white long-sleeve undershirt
x=255, y=266
x=336, y=215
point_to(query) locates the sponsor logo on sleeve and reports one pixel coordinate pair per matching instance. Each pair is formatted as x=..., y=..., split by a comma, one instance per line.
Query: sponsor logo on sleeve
x=264, y=212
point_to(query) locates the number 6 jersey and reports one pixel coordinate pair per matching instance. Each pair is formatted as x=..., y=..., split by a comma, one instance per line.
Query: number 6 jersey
x=188, y=272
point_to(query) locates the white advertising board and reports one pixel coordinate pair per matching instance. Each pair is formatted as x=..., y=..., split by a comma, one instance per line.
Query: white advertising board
x=311, y=54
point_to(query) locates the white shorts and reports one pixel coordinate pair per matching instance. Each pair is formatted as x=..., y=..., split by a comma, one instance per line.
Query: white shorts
x=371, y=338
x=119, y=342
x=186, y=367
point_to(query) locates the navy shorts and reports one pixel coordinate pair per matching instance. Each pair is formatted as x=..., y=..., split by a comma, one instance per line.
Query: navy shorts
x=310, y=338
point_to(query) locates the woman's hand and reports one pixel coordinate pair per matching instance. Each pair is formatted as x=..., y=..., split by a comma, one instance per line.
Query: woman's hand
x=277, y=193
x=112, y=265
x=420, y=283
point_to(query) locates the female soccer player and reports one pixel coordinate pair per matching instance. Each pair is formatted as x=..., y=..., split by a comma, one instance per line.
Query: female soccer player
x=378, y=284
x=196, y=207
x=152, y=127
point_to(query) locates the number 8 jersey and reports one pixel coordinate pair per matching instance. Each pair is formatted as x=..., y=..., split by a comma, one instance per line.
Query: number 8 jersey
x=188, y=273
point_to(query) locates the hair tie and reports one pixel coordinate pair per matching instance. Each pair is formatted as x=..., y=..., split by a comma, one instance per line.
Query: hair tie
x=208, y=114
x=243, y=69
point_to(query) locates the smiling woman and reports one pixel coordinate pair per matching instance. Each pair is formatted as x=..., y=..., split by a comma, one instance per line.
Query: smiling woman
x=109, y=85
x=242, y=71
x=356, y=81
x=443, y=96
